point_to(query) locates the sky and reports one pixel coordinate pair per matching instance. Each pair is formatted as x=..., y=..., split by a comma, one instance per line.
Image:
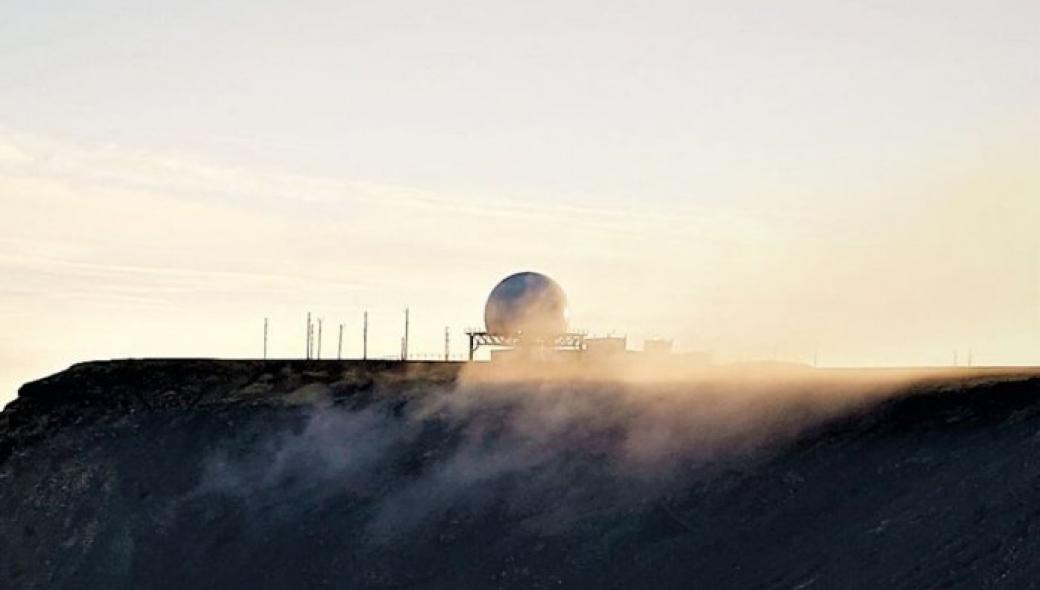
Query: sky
x=859, y=181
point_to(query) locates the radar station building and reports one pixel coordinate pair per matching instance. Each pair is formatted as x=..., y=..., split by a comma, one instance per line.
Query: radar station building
x=526, y=318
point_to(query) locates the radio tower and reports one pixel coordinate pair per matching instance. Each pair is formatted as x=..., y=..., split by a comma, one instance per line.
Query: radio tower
x=447, y=344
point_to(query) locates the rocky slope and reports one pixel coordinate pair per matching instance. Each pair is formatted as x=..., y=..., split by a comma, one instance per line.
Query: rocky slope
x=293, y=474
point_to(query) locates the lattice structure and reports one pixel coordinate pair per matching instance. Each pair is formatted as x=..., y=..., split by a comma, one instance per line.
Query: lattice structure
x=574, y=341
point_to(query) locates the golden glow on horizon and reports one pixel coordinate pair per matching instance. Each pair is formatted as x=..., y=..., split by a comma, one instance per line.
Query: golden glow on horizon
x=109, y=253
x=760, y=179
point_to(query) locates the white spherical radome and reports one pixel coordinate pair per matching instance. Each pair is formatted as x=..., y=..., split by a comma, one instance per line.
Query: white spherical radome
x=526, y=305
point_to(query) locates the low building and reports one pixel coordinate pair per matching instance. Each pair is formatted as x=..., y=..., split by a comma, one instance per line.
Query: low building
x=657, y=347
x=605, y=347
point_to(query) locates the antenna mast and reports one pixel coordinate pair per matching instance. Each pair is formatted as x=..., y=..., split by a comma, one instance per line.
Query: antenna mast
x=319, y=338
x=404, y=346
x=339, y=348
x=311, y=344
x=265, y=338
x=308, y=355
x=364, y=337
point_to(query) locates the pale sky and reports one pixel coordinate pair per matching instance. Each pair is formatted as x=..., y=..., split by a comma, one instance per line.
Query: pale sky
x=758, y=179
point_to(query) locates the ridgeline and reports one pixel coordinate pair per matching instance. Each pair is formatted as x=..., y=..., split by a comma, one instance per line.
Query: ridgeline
x=328, y=474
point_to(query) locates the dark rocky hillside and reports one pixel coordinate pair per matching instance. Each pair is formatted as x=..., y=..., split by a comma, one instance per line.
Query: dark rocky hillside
x=294, y=474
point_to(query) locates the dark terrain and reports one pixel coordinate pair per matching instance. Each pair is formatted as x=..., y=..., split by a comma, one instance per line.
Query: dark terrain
x=302, y=474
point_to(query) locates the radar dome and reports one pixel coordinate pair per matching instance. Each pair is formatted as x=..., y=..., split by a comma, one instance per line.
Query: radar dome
x=526, y=304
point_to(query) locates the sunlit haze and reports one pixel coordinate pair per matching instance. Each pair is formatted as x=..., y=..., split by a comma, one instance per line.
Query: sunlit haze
x=854, y=182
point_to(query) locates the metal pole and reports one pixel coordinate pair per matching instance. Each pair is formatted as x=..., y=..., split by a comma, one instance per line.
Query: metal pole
x=447, y=344
x=319, y=338
x=265, y=338
x=308, y=355
x=404, y=348
x=364, y=350
x=339, y=348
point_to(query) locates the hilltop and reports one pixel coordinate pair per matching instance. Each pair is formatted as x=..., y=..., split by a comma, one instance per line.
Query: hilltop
x=274, y=474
